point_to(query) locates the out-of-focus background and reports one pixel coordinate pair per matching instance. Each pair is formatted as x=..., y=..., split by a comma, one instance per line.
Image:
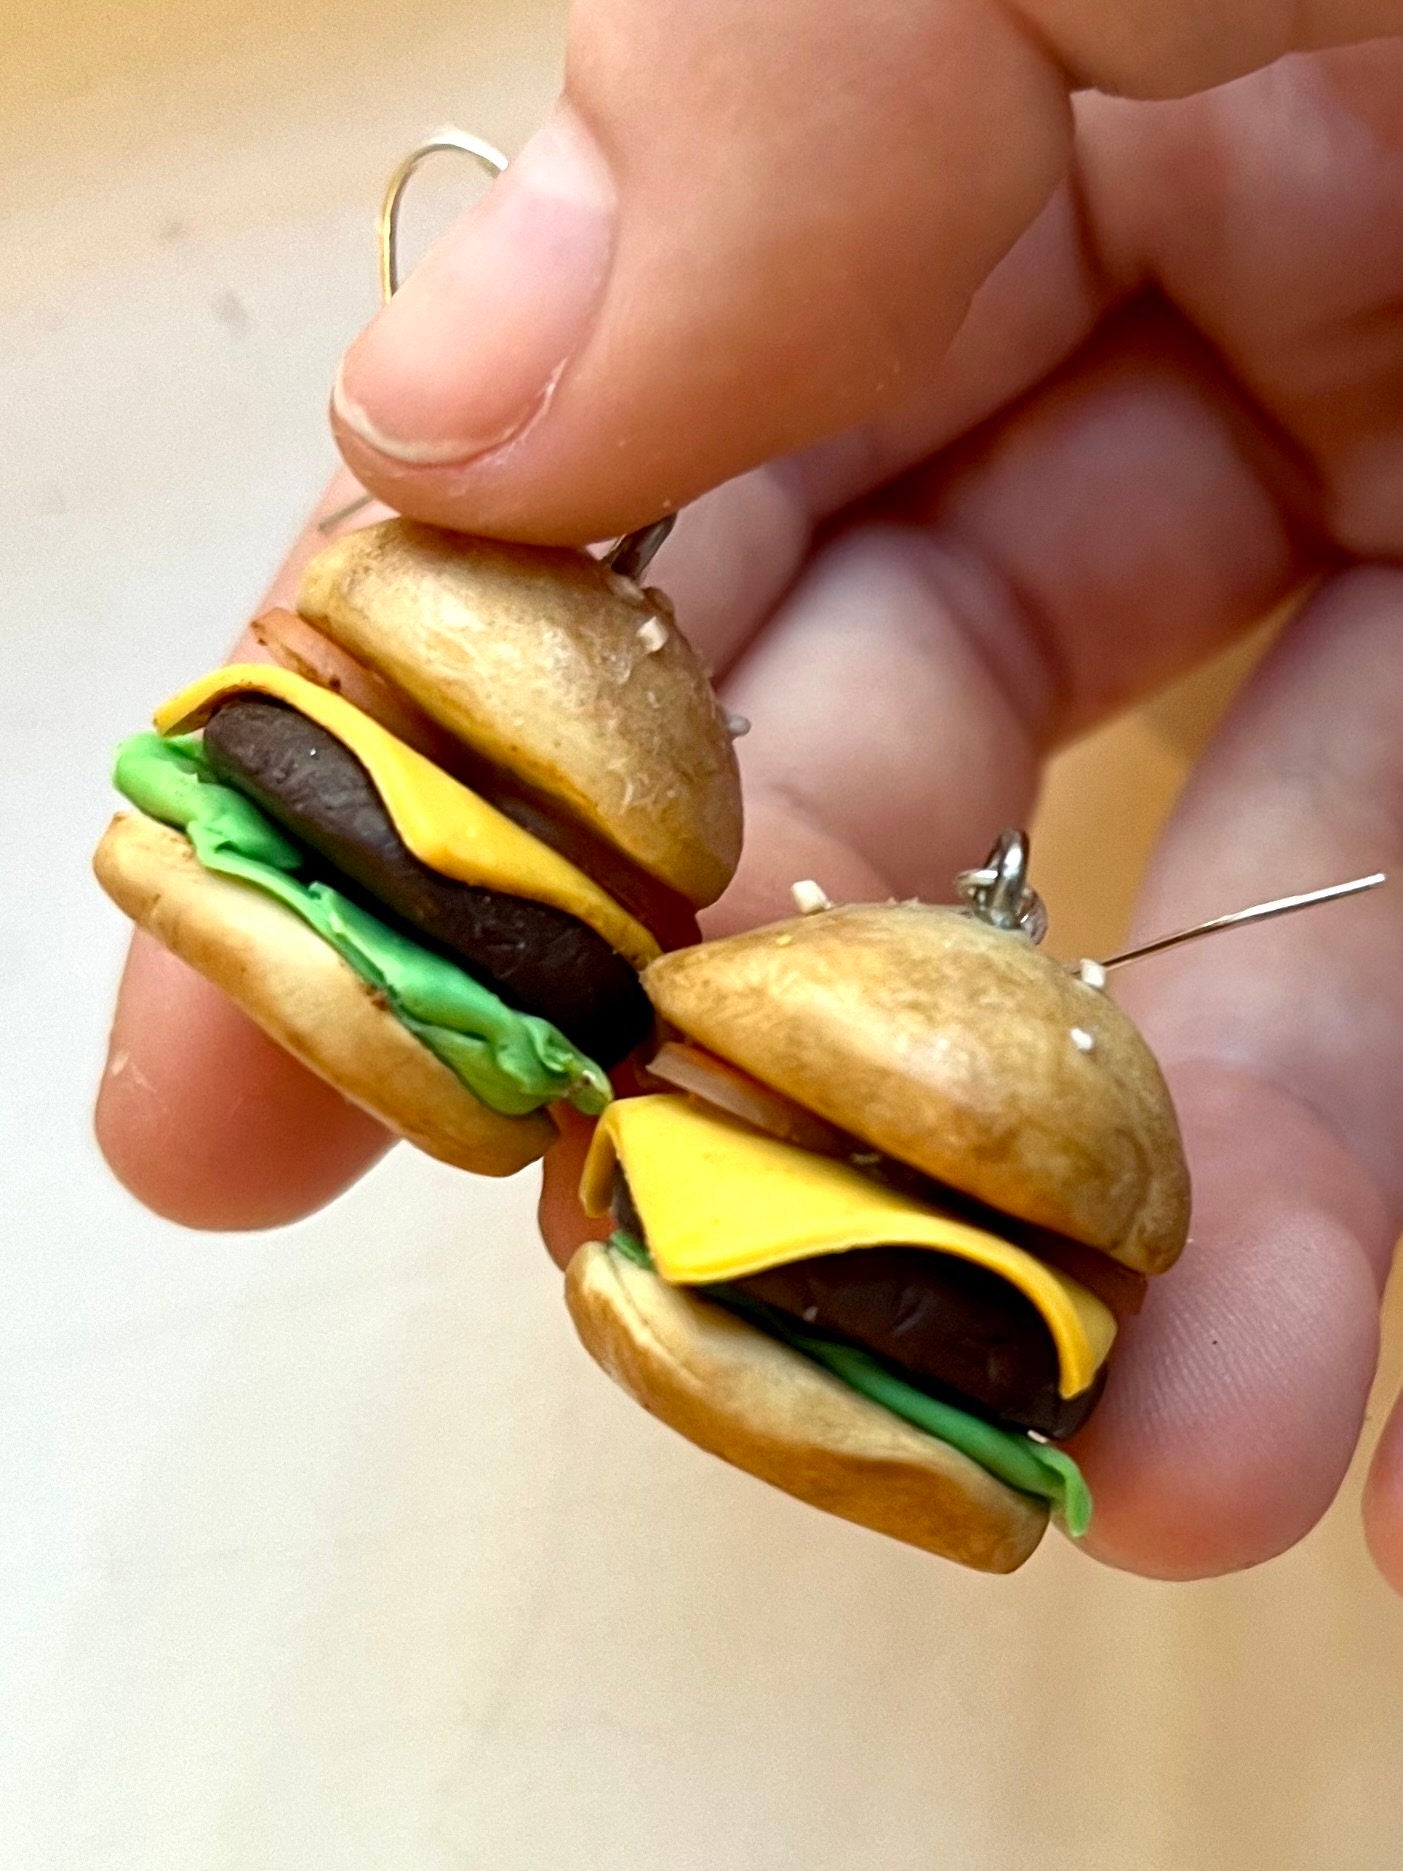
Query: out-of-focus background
x=331, y=1549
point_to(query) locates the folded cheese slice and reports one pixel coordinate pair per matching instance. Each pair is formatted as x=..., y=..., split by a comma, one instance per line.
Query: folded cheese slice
x=720, y=1201
x=445, y=824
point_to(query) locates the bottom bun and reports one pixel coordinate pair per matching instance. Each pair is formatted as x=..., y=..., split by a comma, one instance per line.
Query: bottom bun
x=305, y=997
x=751, y=1400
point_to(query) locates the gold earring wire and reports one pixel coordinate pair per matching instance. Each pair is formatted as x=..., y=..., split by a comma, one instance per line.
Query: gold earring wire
x=1258, y=913
x=629, y=556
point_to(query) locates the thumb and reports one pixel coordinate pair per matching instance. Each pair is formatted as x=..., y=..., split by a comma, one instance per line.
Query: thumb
x=743, y=229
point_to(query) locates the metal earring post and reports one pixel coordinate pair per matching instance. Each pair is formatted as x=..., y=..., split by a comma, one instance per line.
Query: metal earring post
x=998, y=894
x=1258, y=913
x=631, y=556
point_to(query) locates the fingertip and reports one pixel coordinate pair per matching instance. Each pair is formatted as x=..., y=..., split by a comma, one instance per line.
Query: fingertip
x=1217, y=1455
x=539, y=496
x=1236, y=1398
x=597, y=341
x=208, y=1123
x=1183, y=1499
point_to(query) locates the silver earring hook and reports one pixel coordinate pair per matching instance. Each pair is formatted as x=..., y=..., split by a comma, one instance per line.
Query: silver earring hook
x=630, y=556
x=998, y=893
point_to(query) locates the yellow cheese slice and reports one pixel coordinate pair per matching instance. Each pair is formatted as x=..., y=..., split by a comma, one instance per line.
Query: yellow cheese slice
x=446, y=826
x=720, y=1201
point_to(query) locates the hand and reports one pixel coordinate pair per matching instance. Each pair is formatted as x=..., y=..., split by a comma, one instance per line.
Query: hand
x=1033, y=404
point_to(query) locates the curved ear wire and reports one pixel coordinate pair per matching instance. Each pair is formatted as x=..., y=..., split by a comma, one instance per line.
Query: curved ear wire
x=1259, y=913
x=630, y=556
x=458, y=142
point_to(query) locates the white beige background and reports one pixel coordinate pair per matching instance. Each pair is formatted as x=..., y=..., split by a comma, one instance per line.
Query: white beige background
x=329, y=1550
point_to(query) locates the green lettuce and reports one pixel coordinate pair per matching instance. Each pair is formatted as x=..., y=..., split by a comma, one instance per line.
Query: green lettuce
x=1031, y=1467
x=514, y=1062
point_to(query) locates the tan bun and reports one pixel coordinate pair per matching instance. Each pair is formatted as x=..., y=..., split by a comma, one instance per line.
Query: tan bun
x=959, y=1049
x=733, y=1390
x=551, y=666
x=305, y=997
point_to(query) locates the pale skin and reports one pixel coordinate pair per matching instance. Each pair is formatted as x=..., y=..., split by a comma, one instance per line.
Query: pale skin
x=1035, y=399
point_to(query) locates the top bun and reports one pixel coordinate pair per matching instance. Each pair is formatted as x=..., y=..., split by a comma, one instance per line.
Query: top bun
x=551, y=666
x=951, y=1046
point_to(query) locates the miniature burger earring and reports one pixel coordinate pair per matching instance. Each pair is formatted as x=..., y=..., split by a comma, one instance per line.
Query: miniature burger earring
x=429, y=846
x=874, y=1231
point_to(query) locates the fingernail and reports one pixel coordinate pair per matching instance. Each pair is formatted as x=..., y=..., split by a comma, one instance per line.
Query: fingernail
x=471, y=346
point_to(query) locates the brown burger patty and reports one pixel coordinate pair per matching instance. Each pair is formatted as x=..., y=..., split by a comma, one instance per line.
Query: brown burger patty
x=952, y=1327
x=538, y=958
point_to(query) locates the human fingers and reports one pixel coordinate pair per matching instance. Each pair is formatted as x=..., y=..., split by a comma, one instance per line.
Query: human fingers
x=1238, y=1396
x=563, y=1223
x=662, y=292
x=208, y=1122
x=1269, y=213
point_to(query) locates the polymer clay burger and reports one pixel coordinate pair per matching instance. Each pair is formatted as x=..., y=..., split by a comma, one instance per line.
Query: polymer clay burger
x=872, y=1240
x=430, y=844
